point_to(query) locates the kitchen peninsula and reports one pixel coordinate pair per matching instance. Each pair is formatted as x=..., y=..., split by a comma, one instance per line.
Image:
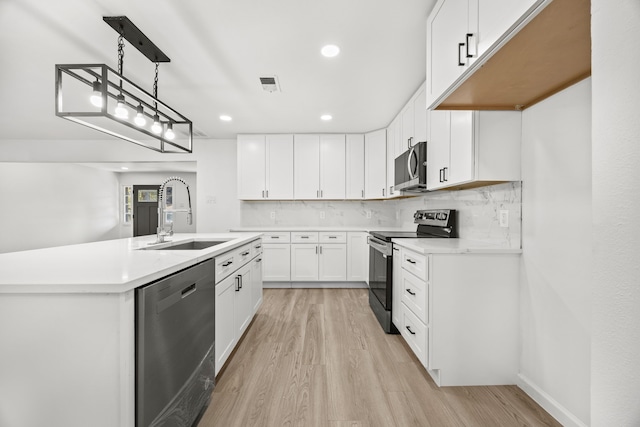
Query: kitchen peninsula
x=67, y=318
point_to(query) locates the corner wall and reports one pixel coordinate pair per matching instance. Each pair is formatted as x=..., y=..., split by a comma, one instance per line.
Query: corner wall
x=615, y=367
x=557, y=254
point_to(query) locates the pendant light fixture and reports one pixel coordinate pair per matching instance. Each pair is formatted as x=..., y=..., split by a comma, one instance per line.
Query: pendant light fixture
x=101, y=98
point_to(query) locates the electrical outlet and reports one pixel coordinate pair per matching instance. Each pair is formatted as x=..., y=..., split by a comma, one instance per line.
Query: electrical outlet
x=273, y=215
x=321, y=214
x=504, y=218
x=368, y=214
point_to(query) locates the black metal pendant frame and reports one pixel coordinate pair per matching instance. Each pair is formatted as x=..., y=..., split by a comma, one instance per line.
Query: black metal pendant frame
x=136, y=38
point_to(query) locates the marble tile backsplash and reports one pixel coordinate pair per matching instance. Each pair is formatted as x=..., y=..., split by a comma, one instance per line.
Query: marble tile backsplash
x=478, y=212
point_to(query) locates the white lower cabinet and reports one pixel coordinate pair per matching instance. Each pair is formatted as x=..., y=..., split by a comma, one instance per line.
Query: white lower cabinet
x=332, y=265
x=459, y=315
x=304, y=262
x=238, y=296
x=357, y=256
x=276, y=256
x=396, y=296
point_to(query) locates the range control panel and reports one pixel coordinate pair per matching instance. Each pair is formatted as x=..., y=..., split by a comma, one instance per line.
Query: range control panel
x=437, y=217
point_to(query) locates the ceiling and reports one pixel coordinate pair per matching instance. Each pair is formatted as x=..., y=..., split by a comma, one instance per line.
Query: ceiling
x=218, y=50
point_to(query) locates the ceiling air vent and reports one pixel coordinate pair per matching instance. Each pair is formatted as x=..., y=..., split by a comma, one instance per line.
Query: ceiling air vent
x=270, y=84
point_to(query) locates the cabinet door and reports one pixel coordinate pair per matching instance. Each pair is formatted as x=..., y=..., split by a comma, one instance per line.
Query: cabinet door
x=438, y=148
x=375, y=170
x=447, y=27
x=355, y=166
x=332, y=167
x=495, y=17
x=242, y=304
x=396, y=297
x=461, y=156
x=391, y=157
x=279, y=181
x=276, y=262
x=251, y=166
x=408, y=135
x=333, y=263
x=225, y=329
x=307, y=167
x=256, y=283
x=304, y=262
x=357, y=257
x=420, y=116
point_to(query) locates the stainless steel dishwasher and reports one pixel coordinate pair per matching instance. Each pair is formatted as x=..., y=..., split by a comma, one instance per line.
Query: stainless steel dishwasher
x=175, y=332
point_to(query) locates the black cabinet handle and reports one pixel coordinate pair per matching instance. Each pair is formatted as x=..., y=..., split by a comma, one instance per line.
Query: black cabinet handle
x=237, y=279
x=240, y=277
x=410, y=331
x=410, y=292
x=444, y=174
x=441, y=175
x=460, y=63
x=410, y=261
x=245, y=253
x=469, y=35
x=227, y=264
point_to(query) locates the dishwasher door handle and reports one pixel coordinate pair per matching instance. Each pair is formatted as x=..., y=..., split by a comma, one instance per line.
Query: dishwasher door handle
x=188, y=290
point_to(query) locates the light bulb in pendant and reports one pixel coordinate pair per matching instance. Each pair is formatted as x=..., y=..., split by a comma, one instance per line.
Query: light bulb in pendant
x=169, y=133
x=121, y=111
x=156, y=127
x=96, y=96
x=139, y=119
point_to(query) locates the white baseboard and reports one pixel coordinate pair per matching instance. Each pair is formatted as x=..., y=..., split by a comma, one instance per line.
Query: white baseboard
x=315, y=285
x=552, y=406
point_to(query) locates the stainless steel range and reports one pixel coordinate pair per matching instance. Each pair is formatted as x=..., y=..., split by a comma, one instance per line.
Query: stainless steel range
x=440, y=223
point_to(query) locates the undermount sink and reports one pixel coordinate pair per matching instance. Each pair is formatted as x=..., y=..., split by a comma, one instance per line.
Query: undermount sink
x=188, y=246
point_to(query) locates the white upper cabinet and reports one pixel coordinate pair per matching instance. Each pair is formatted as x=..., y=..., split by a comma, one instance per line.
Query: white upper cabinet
x=319, y=166
x=251, y=166
x=420, y=113
x=407, y=116
x=332, y=166
x=265, y=167
x=447, y=29
x=394, y=136
x=306, y=166
x=375, y=166
x=354, y=166
x=461, y=31
x=473, y=148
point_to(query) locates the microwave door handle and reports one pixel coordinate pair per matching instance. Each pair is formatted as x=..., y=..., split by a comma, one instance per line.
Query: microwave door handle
x=412, y=153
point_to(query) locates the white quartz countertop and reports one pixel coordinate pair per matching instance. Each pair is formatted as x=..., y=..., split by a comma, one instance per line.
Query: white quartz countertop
x=111, y=266
x=267, y=229
x=454, y=246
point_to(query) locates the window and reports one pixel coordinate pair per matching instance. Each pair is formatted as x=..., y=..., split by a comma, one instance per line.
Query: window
x=127, y=204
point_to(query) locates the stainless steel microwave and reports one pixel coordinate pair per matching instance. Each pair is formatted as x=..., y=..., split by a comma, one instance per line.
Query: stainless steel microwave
x=411, y=169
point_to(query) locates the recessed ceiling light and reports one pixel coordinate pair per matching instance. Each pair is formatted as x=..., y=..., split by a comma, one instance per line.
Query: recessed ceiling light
x=326, y=117
x=225, y=118
x=124, y=168
x=330, y=50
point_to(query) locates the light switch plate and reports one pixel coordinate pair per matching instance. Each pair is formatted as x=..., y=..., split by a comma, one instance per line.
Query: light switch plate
x=504, y=218
x=273, y=215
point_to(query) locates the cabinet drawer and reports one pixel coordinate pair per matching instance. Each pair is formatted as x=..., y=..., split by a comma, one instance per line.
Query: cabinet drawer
x=226, y=264
x=243, y=255
x=277, y=237
x=256, y=248
x=304, y=237
x=415, y=333
x=415, y=263
x=414, y=295
x=333, y=237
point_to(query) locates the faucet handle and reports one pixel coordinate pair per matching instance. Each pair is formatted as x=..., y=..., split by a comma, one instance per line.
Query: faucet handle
x=189, y=218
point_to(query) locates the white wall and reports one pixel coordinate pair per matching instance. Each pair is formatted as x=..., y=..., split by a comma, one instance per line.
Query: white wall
x=556, y=259
x=615, y=367
x=53, y=204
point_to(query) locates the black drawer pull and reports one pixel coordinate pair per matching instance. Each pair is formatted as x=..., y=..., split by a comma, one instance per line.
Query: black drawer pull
x=410, y=292
x=227, y=264
x=304, y=237
x=410, y=261
x=245, y=253
x=410, y=331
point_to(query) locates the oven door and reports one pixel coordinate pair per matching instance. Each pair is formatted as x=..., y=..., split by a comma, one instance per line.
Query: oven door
x=380, y=270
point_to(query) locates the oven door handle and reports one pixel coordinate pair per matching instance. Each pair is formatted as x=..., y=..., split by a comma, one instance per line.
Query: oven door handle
x=379, y=245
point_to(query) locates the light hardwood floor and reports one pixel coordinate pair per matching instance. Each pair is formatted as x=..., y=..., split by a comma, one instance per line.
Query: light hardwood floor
x=318, y=357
